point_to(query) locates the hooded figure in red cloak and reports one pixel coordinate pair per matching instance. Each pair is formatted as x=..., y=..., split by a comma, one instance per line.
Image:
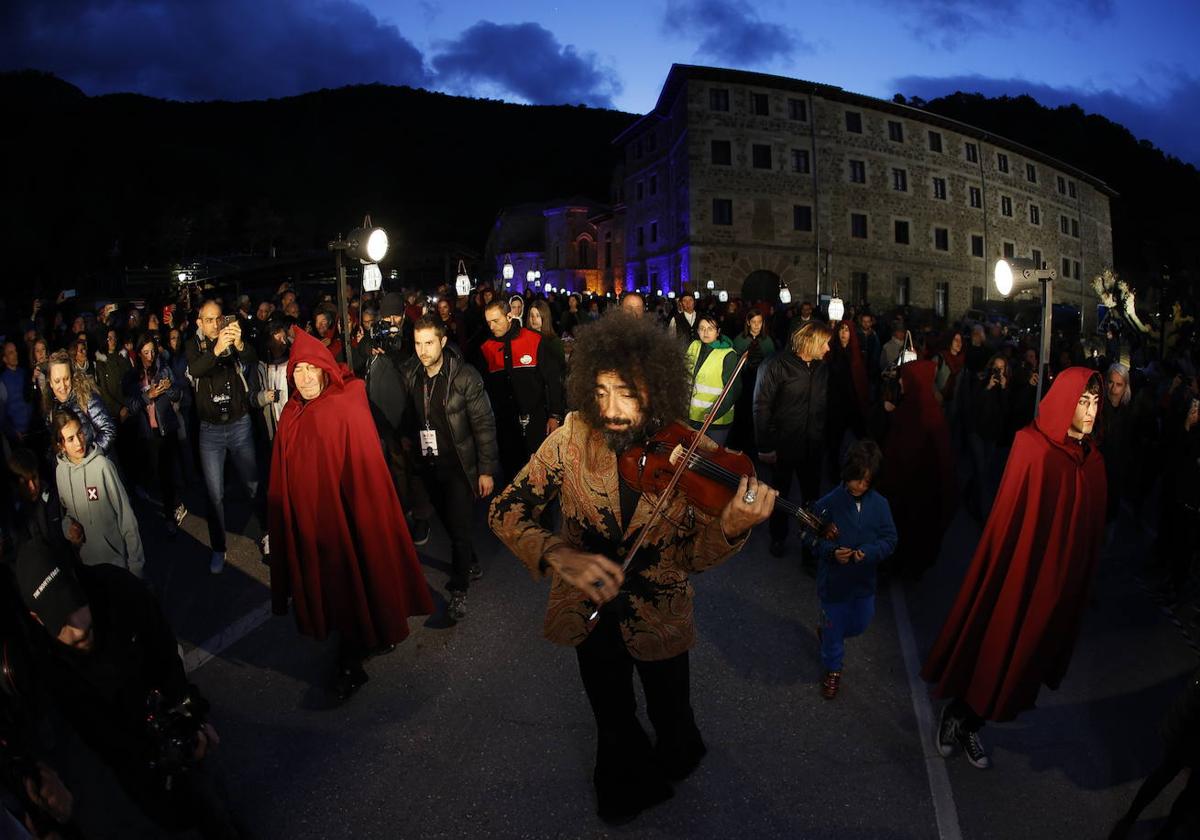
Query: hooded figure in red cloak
x=341, y=548
x=1013, y=626
x=918, y=477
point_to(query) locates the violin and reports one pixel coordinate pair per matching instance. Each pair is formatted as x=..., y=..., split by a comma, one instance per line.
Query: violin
x=710, y=478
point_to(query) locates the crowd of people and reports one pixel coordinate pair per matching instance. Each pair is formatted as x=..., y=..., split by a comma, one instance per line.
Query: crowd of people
x=880, y=422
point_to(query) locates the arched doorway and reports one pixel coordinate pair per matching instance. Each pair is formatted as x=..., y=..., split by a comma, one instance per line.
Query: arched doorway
x=761, y=285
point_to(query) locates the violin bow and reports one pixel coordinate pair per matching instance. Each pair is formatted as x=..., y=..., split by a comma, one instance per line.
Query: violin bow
x=683, y=464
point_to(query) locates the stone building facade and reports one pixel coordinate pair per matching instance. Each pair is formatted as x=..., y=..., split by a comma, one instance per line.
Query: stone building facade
x=755, y=181
x=576, y=245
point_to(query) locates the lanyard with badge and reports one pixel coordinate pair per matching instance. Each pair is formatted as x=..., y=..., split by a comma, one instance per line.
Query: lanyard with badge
x=429, y=445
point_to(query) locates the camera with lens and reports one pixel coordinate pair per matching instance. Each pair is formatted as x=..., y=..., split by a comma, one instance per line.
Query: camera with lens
x=174, y=733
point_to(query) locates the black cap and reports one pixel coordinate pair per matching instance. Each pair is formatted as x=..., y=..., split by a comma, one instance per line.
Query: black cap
x=48, y=586
x=392, y=304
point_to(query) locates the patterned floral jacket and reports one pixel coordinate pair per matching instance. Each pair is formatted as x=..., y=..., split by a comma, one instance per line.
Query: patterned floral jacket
x=655, y=605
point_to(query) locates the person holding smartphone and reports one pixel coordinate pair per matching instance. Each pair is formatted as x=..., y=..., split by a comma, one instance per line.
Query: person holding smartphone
x=150, y=390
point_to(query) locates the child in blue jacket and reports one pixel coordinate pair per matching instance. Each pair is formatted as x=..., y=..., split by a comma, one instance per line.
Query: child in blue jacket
x=846, y=565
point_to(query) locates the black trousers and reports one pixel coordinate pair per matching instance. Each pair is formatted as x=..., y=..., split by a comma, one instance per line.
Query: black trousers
x=630, y=774
x=454, y=500
x=807, y=468
x=158, y=467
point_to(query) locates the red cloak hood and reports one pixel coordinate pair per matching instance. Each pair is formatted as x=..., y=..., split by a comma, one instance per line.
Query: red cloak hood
x=1014, y=623
x=918, y=471
x=340, y=546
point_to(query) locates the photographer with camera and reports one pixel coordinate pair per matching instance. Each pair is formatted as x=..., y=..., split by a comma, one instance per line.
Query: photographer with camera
x=110, y=661
x=221, y=365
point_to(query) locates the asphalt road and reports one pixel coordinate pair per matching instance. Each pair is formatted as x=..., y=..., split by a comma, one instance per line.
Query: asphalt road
x=482, y=729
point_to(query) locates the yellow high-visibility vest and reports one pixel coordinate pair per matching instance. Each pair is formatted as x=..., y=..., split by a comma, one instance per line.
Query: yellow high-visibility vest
x=707, y=384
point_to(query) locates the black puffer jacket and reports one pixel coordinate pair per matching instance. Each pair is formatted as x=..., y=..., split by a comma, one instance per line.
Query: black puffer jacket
x=791, y=404
x=467, y=409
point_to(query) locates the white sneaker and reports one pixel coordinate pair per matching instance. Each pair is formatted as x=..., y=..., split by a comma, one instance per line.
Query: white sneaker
x=217, y=564
x=181, y=513
x=265, y=545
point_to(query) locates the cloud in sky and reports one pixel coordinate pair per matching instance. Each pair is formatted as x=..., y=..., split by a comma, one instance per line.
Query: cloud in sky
x=230, y=49
x=731, y=32
x=217, y=49
x=950, y=23
x=544, y=72
x=1168, y=116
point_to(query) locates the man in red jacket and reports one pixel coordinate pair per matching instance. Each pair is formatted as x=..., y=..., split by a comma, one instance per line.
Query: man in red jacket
x=341, y=549
x=1015, y=620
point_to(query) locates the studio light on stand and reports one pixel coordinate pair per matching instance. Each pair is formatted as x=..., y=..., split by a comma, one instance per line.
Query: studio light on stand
x=1018, y=275
x=836, y=308
x=367, y=244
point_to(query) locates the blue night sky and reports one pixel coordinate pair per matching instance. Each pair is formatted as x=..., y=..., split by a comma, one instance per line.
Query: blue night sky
x=1133, y=61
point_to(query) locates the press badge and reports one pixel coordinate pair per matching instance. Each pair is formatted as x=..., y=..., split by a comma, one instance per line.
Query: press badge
x=429, y=447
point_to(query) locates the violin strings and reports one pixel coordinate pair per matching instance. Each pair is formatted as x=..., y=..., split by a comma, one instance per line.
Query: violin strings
x=699, y=464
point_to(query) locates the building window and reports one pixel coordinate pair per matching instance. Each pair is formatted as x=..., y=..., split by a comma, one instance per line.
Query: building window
x=1037, y=258
x=653, y=232
x=641, y=236
x=639, y=190
x=1075, y=228
x=939, y=189
x=1005, y=205
x=653, y=185
x=718, y=99
x=895, y=131
x=800, y=161
x=761, y=104
x=1010, y=250
x=798, y=110
x=858, y=172
x=1064, y=225
x=976, y=245
x=941, y=299
x=1035, y=215
x=1071, y=188
x=976, y=196
x=972, y=152
x=976, y=296
x=722, y=211
x=859, y=283
x=1001, y=162
x=1078, y=269
x=901, y=232
x=902, y=290
x=722, y=153
x=584, y=257
x=935, y=141
x=1031, y=173
x=1066, y=267
x=900, y=180
x=1062, y=185
x=761, y=156
x=858, y=225
x=941, y=238
x=801, y=217
x=854, y=122
x=651, y=141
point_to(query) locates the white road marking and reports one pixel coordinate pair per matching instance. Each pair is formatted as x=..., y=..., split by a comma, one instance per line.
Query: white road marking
x=944, y=809
x=241, y=628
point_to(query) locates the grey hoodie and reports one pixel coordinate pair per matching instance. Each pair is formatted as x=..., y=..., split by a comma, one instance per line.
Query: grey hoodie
x=92, y=495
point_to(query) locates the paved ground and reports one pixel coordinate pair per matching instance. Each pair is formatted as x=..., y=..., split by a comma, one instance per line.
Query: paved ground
x=482, y=729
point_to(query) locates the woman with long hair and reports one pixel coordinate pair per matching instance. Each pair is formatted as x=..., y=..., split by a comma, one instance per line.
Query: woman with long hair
x=150, y=390
x=68, y=389
x=541, y=321
x=753, y=339
x=849, y=391
x=97, y=515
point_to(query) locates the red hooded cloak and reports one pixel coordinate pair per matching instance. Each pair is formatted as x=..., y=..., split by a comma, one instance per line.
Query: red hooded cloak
x=1014, y=624
x=339, y=543
x=918, y=471
x=858, y=368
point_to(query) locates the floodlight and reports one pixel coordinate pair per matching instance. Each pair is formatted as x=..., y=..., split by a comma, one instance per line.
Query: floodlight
x=367, y=244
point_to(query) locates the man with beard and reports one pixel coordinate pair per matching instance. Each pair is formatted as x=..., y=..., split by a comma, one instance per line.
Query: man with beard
x=523, y=384
x=1013, y=625
x=457, y=446
x=629, y=379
